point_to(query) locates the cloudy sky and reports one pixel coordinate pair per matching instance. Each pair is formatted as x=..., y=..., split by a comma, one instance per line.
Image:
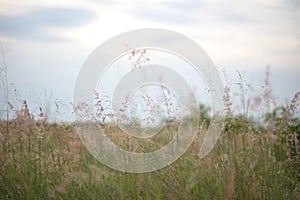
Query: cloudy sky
x=48, y=41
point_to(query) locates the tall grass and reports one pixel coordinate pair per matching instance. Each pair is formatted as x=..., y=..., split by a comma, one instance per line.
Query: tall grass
x=253, y=159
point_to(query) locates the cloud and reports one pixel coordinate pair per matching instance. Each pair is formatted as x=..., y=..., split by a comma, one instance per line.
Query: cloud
x=192, y=12
x=167, y=17
x=170, y=12
x=188, y=5
x=35, y=25
x=293, y=3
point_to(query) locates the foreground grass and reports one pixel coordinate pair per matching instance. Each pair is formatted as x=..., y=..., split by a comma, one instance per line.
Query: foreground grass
x=44, y=161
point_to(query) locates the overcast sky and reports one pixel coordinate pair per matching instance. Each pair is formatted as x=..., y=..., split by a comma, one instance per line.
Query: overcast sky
x=48, y=41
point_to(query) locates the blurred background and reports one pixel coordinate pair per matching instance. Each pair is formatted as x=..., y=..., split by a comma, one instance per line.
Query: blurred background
x=44, y=43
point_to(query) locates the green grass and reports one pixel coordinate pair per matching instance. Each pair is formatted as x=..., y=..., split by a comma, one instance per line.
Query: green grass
x=49, y=162
x=255, y=158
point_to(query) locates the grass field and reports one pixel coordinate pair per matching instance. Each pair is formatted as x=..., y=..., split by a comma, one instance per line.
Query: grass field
x=253, y=159
x=48, y=161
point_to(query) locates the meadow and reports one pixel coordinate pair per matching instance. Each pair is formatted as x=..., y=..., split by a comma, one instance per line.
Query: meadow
x=256, y=157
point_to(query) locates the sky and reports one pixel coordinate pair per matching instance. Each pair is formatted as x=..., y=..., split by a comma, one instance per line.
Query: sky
x=45, y=42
